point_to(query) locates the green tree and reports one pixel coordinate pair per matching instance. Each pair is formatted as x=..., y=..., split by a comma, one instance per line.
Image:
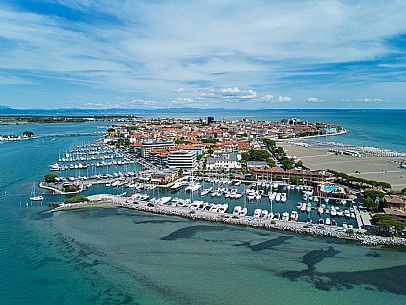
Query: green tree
x=50, y=177
x=76, y=199
x=28, y=133
x=371, y=204
x=387, y=224
x=295, y=180
x=180, y=172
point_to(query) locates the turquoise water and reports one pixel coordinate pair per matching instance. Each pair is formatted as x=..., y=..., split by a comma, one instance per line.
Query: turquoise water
x=115, y=256
x=330, y=188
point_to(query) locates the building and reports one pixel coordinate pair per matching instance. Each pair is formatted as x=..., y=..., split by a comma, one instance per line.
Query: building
x=148, y=146
x=395, y=206
x=181, y=159
x=210, y=120
x=226, y=161
x=286, y=174
x=164, y=177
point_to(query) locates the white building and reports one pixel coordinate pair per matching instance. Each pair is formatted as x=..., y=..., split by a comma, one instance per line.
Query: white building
x=227, y=161
x=148, y=146
x=182, y=159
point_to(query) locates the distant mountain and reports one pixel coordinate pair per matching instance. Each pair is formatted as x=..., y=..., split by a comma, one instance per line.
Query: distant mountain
x=5, y=110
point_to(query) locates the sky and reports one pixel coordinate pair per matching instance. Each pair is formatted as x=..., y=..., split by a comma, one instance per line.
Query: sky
x=206, y=54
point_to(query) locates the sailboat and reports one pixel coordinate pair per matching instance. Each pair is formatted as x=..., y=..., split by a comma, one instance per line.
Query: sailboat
x=33, y=197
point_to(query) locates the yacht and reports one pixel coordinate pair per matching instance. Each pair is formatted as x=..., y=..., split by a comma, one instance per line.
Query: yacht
x=294, y=216
x=285, y=216
x=243, y=212
x=164, y=200
x=303, y=207
x=33, y=197
x=206, y=191
x=278, y=197
x=283, y=197
x=237, y=210
x=257, y=213
x=347, y=213
x=328, y=221
x=176, y=186
x=264, y=214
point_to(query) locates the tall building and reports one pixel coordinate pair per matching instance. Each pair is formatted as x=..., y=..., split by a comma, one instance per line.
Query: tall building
x=210, y=120
x=148, y=146
x=182, y=159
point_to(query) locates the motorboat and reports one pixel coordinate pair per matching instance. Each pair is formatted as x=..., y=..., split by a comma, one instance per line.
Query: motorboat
x=257, y=213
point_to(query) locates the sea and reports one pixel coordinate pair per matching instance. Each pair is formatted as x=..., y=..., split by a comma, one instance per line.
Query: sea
x=117, y=256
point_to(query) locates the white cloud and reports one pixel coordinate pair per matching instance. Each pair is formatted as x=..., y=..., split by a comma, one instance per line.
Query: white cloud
x=312, y=99
x=184, y=99
x=234, y=90
x=284, y=98
x=180, y=90
x=249, y=94
x=267, y=97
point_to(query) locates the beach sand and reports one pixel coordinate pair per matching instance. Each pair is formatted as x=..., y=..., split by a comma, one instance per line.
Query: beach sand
x=373, y=168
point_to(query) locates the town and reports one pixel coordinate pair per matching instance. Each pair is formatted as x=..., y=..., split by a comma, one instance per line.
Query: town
x=239, y=165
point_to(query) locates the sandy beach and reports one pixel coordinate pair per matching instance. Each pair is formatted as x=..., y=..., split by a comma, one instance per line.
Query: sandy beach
x=374, y=168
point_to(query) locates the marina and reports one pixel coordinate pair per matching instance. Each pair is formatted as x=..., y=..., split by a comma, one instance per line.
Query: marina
x=216, y=213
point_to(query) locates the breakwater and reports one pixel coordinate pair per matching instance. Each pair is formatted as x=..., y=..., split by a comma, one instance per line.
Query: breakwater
x=225, y=218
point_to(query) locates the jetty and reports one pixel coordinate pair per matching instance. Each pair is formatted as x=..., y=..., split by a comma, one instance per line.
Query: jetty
x=110, y=201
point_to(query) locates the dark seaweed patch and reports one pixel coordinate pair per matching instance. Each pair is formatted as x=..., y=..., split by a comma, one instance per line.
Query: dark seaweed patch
x=266, y=245
x=386, y=279
x=373, y=254
x=190, y=231
x=269, y=244
x=157, y=221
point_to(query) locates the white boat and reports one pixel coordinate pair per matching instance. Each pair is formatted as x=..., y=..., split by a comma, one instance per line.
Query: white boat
x=193, y=187
x=303, y=207
x=258, y=196
x=244, y=212
x=206, y=191
x=285, y=216
x=320, y=210
x=33, y=197
x=278, y=197
x=283, y=197
x=347, y=213
x=328, y=221
x=164, y=200
x=176, y=186
x=294, y=216
x=257, y=213
x=237, y=210
x=264, y=214
x=55, y=167
x=333, y=211
x=272, y=196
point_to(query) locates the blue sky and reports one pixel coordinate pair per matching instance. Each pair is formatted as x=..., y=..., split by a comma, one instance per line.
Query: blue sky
x=231, y=54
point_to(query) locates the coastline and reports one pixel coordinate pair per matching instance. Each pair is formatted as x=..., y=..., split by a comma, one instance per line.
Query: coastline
x=112, y=201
